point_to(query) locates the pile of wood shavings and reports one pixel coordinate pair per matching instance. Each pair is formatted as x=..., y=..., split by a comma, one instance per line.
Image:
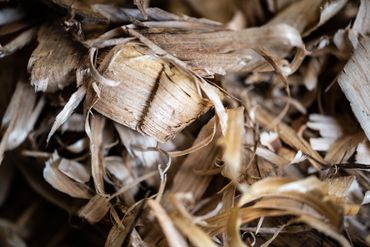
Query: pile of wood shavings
x=185, y=123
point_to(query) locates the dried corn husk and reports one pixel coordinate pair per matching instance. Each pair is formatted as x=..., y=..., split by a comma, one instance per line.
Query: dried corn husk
x=95, y=209
x=355, y=84
x=152, y=97
x=199, y=165
x=232, y=143
x=20, y=117
x=63, y=183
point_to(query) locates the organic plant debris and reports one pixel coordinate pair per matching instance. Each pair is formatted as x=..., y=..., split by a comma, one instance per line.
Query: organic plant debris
x=185, y=123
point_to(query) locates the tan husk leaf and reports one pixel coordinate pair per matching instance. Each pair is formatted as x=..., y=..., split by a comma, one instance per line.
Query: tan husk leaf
x=153, y=97
x=307, y=15
x=96, y=149
x=232, y=143
x=355, y=84
x=289, y=136
x=97, y=207
x=218, y=52
x=20, y=117
x=63, y=183
x=203, y=160
x=174, y=238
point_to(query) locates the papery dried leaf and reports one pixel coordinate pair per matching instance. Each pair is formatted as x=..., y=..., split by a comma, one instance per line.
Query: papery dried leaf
x=363, y=153
x=195, y=234
x=141, y=6
x=271, y=156
x=307, y=15
x=120, y=15
x=289, y=136
x=68, y=109
x=233, y=225
x=173, y=237
x=96, y=149
x=156, y=18
x=74, y=170
x=303, y=198
x=342, y=149
x=115, y=237
x=201, y=160
x=362, y=22
x=186, y=222
x=54, y=62
x=343, y=193
x=228, y=51
x=76, y=123
x=95, y=209
x=19, y=42
x=20, y=117
x=232, y=143
x=326, y=229
x=11, y=234
x=326, y=125
x=152, y=97
x=61, y=182
x=355, y=84
x=271, y=140
x=120, y=176
x=132, y=139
